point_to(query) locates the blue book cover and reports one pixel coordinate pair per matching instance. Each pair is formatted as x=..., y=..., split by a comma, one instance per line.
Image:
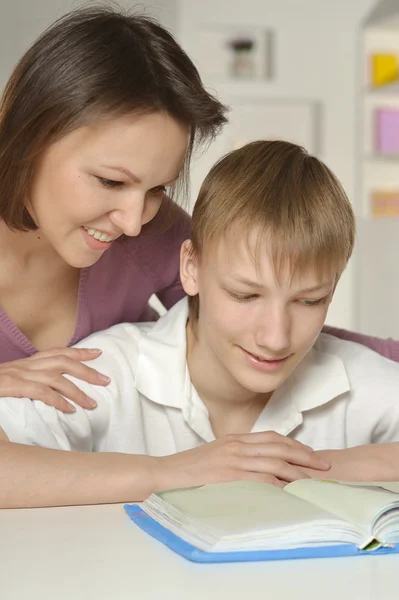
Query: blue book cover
x=160, y=533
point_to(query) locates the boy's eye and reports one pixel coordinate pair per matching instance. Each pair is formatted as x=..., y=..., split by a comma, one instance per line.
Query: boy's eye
x=158, y=189
x=242, y=297
x=312, y=302
x=110, y=183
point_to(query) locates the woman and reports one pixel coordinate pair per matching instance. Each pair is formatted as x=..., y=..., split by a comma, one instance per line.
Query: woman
x=97, y=123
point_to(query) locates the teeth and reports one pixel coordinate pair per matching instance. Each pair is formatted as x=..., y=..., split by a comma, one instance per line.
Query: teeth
x=99, y=235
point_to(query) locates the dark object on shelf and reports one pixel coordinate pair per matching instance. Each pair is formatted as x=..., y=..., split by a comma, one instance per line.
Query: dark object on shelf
x=242, y=63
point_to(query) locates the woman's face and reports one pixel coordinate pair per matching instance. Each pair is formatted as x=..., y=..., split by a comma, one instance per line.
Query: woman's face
x=104, y=180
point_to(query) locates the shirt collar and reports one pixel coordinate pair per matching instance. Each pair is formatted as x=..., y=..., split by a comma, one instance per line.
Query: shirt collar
x=161, y=370
x=318, y=379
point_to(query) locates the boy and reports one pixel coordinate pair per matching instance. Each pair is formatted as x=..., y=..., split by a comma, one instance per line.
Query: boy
x=240, y=361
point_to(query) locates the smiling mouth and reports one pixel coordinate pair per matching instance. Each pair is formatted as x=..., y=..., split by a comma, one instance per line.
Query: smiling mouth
x=100, y=236
x=266, y=360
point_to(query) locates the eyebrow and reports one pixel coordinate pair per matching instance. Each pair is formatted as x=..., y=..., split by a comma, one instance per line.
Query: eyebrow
x=255, y=284
x=316, y=288
x=131, y=175
x=124, y=171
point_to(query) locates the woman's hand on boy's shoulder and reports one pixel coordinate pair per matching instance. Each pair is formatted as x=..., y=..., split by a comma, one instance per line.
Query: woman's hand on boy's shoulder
x=41, y=377
x=264, y=456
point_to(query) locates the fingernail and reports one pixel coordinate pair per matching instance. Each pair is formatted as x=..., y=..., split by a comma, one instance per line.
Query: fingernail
x=325, y=464
x=92, y=403
x=104, y=378
x=94, y=350
x=309, y=448
x=71, y=408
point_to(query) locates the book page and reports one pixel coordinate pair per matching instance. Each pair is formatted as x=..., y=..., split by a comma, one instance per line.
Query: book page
x=240, y=515
x=244, y=506
x=359, y=504
x=391, y=486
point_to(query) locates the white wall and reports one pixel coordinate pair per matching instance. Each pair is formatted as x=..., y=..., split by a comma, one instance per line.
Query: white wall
x=316, y=59
x=317, y=46
x=23, y=20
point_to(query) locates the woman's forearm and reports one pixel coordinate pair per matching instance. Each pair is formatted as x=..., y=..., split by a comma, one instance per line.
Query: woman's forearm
x=38, y=477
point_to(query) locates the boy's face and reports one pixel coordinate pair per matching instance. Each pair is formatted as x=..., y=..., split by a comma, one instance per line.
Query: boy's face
x=254, y=327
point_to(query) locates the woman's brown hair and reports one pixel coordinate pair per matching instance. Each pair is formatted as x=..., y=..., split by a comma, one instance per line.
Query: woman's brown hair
x=93, y=63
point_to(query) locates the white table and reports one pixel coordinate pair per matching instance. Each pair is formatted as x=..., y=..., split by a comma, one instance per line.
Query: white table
x=97, y=553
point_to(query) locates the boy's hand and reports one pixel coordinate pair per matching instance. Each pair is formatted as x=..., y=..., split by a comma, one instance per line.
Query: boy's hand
x=265, y=456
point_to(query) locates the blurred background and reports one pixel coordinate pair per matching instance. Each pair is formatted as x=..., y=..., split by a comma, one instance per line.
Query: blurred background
x=322, y=73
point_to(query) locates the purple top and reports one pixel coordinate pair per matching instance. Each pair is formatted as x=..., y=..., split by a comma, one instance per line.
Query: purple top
x=388, y=348
x=117, y=287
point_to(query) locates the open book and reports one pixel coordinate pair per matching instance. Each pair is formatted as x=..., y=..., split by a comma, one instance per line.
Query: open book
x=247, y=517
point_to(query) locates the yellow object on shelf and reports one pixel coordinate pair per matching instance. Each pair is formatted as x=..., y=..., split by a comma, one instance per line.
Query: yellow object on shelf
x=384, y=69
x=385, y=204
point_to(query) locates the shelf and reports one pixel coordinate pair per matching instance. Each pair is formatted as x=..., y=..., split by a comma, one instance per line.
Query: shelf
x=380, y=159
x=383, y=90
x=379, y=172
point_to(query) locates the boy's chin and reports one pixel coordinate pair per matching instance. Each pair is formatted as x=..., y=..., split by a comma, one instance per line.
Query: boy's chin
x=258, y=387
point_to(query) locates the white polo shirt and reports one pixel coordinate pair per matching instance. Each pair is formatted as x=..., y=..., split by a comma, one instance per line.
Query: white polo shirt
x=341, y=395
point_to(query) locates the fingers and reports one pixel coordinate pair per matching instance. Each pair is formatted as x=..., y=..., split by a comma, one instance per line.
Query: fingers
x=35, y=390
x=296, y=455
x=41, y=377
x=270, y=443
x=83, y=354
x=227, y=459
x=52, y=398
x=65, y=364
x=276, y=467
x=54, y=386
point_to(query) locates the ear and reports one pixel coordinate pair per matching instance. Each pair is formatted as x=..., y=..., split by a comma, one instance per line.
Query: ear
x=188, y=269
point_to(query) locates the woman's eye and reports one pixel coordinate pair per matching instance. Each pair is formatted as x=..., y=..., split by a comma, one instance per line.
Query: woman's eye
x=158, y=189
x=110, y=183
x=242, y=297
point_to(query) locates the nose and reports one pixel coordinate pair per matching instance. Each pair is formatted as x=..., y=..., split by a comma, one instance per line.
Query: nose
x=133, y=213
x=273, y=331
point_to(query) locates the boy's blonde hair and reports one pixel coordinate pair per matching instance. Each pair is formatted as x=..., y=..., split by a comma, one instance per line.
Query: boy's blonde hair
x=289, y=198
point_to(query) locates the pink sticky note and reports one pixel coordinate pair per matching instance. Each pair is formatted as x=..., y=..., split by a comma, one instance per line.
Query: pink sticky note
x=387, y=131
